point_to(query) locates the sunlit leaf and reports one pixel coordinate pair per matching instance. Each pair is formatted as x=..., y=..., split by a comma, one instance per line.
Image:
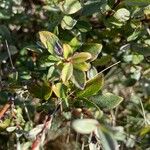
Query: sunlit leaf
x=85, y=126
x=51, y=42
x=70, y=6
x=59, y=90
x=145, y=130
x=5, y=123
x=67, y=50
x=80, y=57
x=75, y=43
x=122, y=15
x=68, y=22
x=67, y=72
x=93, y=48
x=82, y=66
x=137, y=58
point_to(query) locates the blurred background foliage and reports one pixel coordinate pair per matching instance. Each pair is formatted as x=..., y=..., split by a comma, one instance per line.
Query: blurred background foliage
x=120, y=29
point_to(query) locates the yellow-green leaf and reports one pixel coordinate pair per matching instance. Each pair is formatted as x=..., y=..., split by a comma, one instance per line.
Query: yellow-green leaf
x=68, y=22
x=66, y=72
x=51, y=42
x=145, y=130
x=93, y=48
x=59, y=90
x=4, y=124
x=75, y=43
x=81, y=57
x=82, y=66
x=67, y=50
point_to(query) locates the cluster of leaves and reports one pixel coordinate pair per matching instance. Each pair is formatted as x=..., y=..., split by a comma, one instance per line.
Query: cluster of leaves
x=68, y=93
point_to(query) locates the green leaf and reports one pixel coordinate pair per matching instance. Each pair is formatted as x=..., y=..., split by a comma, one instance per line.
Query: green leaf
x=82, y=66
x=50, y=71
x=53, y=58
x=92, y=86
x=93, y=48
x=107, y=100
x=102, y=61
x=83, y=26
x=51, y=42
x=79, y=78
x=141, y=49
x=68, y=22
x=59, y=89
x=44, y=61
x=68, y=51
x=137, y=2
x=80, y=57
x=85, y=126
x=40, y=90
x=70, y=6
x=33, y=48
x=137, y=58
x=92, y=6
x=13, y=50
x=122, y=15
x=107, y=139
x=5, y=33
x=66, y=72
x=134, y=35
x=75, y=43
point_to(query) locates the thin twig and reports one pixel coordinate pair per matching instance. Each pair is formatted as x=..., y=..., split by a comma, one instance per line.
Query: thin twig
x=113, y=118
x=148, y=30
x=82, y=147
x=9, y=55
x=109, y=67
x=68, y=136
x=143, y=111
x=77, y=139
